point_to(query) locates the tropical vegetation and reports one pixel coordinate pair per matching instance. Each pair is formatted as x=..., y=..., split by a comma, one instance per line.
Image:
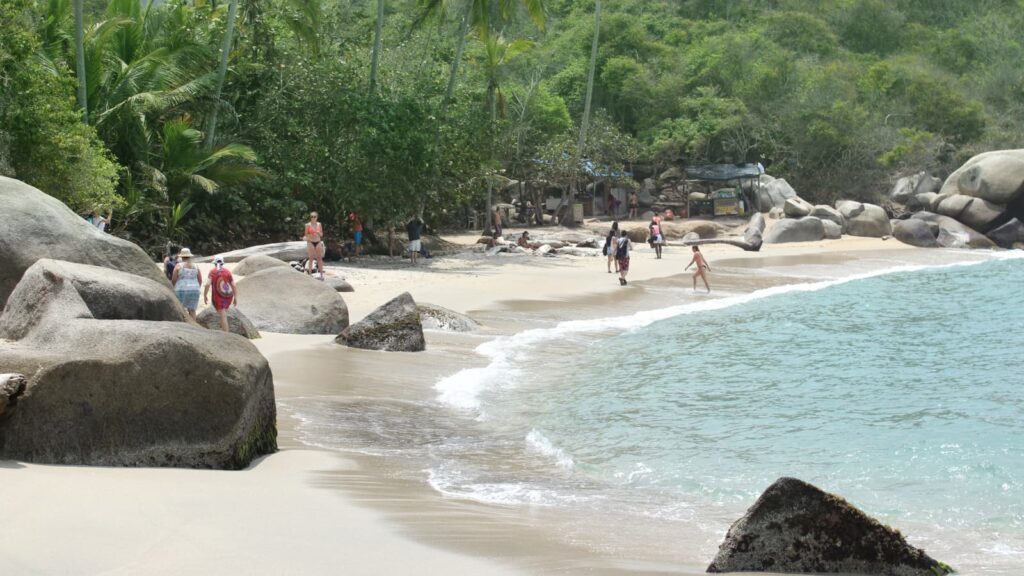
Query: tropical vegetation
x=222, y=122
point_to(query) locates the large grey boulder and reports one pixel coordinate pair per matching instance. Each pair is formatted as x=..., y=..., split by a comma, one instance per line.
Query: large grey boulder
x=996, y=176
x=237, y=322
x=127, y=392
x=915, y=232
x=797, y=207
x=339, y=284
x=981, y=214
x=773, y=193
x=828, y=213
x=927, y=184
x=435, y=317
x=864, y=219
x=922, y=201
x=953, y=205
x=798, y=528
x=252, y=264
x=953, y=234
x=394, y=327
x=832, y=230
x=53, y=290
x=286, y=251
x=903, y=189
x=282, y=300
x=36, y=226
x=807, y=229
x=1008, y=234
x=12, y=386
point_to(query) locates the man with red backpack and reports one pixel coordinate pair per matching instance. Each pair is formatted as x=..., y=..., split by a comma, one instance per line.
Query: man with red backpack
x=224, y=291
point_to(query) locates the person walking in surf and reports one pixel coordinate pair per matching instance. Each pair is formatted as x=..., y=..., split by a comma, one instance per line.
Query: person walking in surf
x=702, y=265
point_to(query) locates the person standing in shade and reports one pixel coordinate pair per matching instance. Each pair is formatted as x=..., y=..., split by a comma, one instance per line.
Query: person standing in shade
x=186, y=281
x=702, y=265
x=623, y=246
x=496, y=219
x=414, y=228
x=224, y=291
x=314, y=237
x=357, y=231
x=634, y=204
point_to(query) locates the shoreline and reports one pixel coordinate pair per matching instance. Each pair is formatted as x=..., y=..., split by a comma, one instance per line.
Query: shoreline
x=307, y=510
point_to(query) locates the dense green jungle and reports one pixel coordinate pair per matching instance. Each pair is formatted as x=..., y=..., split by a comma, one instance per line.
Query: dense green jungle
x=219, y=123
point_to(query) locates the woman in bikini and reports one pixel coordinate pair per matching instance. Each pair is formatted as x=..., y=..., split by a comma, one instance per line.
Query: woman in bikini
x=314, y=236
x=702, y=265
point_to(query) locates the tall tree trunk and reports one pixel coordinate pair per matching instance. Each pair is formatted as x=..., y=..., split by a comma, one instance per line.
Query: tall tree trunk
x=450, y=91
x=222, y=71
x=80, y=60
x=570, y=220
x=375, y=60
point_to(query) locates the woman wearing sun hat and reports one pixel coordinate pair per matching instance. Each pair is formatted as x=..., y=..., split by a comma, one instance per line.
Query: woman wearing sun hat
x=224, y=290
x=187, y=282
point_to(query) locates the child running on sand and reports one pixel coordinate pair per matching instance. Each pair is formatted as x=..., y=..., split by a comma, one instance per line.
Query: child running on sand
x=702, y=265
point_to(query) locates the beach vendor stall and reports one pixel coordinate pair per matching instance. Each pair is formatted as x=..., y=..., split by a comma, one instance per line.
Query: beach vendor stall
x=736, y=200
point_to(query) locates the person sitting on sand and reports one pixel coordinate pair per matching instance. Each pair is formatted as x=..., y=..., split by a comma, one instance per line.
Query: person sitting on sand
x=702, y=265
x=314, y=238
x=224, y=291
x=524, y=241
x=186, y=281
x=622, y=248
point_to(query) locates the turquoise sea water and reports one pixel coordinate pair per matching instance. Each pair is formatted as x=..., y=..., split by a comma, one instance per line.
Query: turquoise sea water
x=902, y=392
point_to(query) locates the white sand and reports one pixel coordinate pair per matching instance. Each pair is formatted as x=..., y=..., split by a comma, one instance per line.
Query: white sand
x=295, y=512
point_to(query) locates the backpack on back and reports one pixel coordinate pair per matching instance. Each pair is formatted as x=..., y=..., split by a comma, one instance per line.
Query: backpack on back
x=222, y=284
x=623, y=248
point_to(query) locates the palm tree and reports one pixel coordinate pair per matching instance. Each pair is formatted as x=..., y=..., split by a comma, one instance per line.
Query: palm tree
x=570, y=219
x=80, y=60
x=475, y=13
x=375, y=59
x=222, y=70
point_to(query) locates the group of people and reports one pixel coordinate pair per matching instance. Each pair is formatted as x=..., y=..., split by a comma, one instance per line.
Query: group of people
x=617, y=248
x=315, y=248
x=188, y=283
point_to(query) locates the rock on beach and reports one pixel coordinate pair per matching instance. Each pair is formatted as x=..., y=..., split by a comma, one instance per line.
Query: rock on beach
x=394, y=327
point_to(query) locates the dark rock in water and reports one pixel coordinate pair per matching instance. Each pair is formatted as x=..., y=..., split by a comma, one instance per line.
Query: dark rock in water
x=280, y=300
x=394, y=327
x=255, y=263
x=36, y=226
x=439, y=318
x=12, y=386
x=91, y=292
x=915, y=232
x=237, y=322
x=1008, y=234
x=107, y=390
x=796, y=527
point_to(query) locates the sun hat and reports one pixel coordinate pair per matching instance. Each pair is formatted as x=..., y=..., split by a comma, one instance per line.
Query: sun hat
x=185, y=253
x=218, y=259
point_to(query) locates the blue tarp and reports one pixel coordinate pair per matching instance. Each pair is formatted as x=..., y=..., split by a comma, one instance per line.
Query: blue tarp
x=721, y=172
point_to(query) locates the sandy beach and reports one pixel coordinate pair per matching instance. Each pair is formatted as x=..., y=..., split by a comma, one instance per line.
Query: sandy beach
x=308, y=510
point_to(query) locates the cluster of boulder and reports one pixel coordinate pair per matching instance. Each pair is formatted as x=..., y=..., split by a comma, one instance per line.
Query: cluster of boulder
x=100, y=363
x=797, y=528
x=980, y=205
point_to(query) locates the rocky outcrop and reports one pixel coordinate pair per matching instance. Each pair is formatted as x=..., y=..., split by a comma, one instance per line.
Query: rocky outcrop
x=825, y=212
x=832, y=230
x=435, y=317
x=807, y=229
x=108, y=390
x=773, y=193
x=36, y=226
x=237, y=322
x=285, y=251
x=1008, y=234
x=915, y=232
x=280, y=300
x=394, y=327
x=796, y=527
x=797, y=207
x=909, y=186
x=253, y=264
x=864, y=219
x=751, y=241
x=950, y=233
x=53, y=290
x=996, y=176
x=12, y=386
x=924, y=201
